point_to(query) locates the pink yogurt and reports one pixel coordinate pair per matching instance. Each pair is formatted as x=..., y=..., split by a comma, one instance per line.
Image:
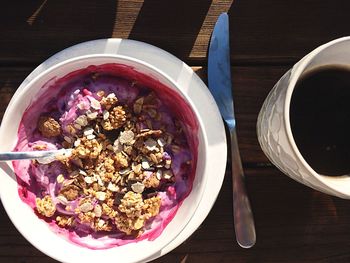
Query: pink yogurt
x=59, y=98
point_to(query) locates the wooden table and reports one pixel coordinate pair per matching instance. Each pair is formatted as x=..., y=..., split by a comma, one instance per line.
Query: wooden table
x=293, y=222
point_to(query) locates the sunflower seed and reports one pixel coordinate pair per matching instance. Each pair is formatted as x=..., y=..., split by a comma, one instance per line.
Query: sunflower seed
x=150, y=144
x=125, y=171
x=67, y=139
x=159, y=174
x=161, y=142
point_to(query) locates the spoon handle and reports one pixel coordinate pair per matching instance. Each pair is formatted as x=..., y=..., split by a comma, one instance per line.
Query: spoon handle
x=10, y=156
x=242, y=212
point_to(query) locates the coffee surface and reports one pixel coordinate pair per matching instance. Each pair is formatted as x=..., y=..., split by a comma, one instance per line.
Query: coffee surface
x=320, y=118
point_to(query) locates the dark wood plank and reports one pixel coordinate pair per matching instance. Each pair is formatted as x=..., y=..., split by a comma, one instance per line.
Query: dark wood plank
x=251, y=86
x=293, y=223
x=270, y=31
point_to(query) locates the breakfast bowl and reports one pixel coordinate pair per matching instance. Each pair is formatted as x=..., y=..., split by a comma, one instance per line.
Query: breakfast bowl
x=22, y=203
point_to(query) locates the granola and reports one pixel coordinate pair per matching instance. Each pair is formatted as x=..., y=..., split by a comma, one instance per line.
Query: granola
x=128, y=153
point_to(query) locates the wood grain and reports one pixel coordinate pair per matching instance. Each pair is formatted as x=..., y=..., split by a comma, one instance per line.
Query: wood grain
x=294, y=223
x=262, y=32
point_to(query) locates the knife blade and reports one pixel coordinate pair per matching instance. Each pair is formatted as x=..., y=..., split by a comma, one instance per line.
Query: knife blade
x=220, y=85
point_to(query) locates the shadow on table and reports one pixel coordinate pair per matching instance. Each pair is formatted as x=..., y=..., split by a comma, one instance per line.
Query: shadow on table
x=182, y=18
x=46, y=27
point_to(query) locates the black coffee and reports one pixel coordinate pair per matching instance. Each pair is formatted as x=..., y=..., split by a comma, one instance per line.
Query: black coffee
x=320, y=118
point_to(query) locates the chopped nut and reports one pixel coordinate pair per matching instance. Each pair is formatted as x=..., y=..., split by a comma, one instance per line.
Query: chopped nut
x=88, y=131
x=70, y=129
x=62, y=200
x=152, y=206
x=149, y=133
x=87, y=217
x=138, y=223
x=49, y=127
x=126, y=137
x=105, y=114
x=92, y=115
x=45, y=206
x=136, y=168
x=64, y=221
x=60, y=179
x=138, y=187
x=159, y=174
x=131, y=204
x=88, y=149
x=108, y=211
x=98, y=211
x=70, y=192
x=161, y=142
x=121, y=161
x=116, y=119
x=151, y=182
x=167, y=174
x=40, y=147
x=112, y=187
x=125, y=171
x=82, y=121
x=151, y=144
x=90, y=137
x=167, y=164
x=95, y=104
x=100, y=196
x=145, y=164
x=77, y=143
x=109, y=101
x=86, y=207
x=153, y=158
x=77, y=126
x=152, y=113
x=100, y=93
x=138, y=105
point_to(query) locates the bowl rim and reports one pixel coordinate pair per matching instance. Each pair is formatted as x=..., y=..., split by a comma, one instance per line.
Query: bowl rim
x=152, y=68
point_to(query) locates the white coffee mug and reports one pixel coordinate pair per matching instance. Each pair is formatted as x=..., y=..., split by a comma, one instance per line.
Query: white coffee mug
x=274, y=129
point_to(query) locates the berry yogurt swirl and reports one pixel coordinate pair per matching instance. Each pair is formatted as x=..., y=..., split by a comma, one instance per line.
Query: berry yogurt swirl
x=134, y=150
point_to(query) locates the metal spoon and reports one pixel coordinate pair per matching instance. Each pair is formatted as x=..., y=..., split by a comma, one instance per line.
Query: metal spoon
x=42, y=156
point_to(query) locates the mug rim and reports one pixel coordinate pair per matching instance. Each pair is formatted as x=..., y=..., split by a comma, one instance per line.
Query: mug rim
x=296, y=72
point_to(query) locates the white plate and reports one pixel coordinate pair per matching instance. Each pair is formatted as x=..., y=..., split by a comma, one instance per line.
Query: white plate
x=191, y=84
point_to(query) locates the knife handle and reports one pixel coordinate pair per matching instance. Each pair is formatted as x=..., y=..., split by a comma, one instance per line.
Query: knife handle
x=242, y=212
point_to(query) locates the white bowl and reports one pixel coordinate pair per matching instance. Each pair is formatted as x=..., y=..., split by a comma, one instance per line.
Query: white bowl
x=36, y=230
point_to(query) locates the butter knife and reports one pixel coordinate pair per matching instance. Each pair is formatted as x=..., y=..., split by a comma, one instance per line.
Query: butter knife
x=219, y=78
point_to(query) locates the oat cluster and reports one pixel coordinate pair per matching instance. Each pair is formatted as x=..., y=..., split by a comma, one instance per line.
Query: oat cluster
x=117, y=166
